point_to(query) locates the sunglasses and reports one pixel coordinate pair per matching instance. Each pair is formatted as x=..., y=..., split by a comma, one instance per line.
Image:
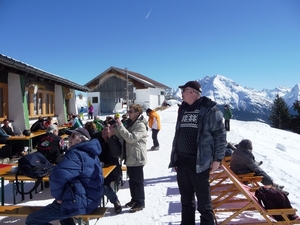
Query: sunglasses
x=186, y=89
x=130, y=111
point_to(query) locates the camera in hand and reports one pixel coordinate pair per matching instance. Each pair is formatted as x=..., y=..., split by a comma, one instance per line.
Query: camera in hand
x=112, y=122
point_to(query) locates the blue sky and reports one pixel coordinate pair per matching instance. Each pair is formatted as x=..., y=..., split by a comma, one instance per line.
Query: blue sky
x=256, y=43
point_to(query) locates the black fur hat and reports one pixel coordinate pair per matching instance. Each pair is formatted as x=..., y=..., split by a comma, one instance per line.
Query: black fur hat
x=245, y=144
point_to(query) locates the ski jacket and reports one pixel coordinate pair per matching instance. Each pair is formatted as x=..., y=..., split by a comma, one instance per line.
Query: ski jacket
x=135, y=136
x=154, y=120
x=51, y=146
x=211, y=137
x=243, y=161
x=227, y=114
x=78, y=180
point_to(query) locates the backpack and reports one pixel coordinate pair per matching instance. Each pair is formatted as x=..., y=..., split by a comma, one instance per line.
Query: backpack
x=271, y=198
x=26, y=132
x=35, y=166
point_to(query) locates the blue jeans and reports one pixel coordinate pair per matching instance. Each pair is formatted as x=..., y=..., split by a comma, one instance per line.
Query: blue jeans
x=110, y=194
x=49, y=213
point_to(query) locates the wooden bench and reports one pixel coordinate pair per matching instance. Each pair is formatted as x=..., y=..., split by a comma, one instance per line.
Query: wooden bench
x=11, y=177
x=240, y=199
x=23, y=211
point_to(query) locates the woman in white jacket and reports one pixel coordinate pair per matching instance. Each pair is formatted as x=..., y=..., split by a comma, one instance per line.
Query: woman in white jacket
x=135, y=154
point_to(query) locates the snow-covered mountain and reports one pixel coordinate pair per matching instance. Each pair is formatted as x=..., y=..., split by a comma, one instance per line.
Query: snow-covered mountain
x=246, y=103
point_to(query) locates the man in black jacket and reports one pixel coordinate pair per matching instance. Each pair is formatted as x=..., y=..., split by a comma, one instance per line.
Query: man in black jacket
x=38, y=125
x=111, y=152
x=7, y=128
x=198, y=148
x=51, y=145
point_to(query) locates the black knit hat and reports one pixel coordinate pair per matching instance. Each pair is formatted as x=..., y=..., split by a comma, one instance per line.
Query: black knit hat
x=245, y=144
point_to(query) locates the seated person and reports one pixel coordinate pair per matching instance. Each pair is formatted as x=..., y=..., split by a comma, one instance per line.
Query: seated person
x=124, y=119
x=75, y=122
x=5, y=150
x=76, y=182
x=51, y=145
x=70, y=118
x=243, y=161
x=109, y=143
x=7, y=128
x=5, y=132
x=108, y=119
x=3, y=136
x=38, y=125
x=99, y=123
x=48, y=121
x=111, y=151
x=92, y=129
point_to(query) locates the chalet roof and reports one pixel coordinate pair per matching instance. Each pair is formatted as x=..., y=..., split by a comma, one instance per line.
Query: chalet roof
x=12, y=65
x=132, y=75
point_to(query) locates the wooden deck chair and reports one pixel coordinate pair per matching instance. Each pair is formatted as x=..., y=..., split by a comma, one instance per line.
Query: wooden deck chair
x=244, y=200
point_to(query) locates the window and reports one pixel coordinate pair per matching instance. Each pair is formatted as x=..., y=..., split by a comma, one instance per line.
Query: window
x=40, y=104
x=3, y=101
x=94, y=100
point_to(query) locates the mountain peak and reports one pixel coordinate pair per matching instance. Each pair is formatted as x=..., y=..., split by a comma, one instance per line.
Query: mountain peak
x=247, y=103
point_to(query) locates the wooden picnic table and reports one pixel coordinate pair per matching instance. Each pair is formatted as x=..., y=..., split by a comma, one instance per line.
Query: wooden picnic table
x=7, y=174
x=27, y=139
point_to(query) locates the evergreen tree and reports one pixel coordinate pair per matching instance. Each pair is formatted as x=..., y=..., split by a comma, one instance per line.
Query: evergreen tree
x=295, y=121
x=296, y=106
x=279, y=116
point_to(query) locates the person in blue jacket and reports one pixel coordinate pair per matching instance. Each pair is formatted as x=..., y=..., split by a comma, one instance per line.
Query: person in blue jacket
x=76, y=182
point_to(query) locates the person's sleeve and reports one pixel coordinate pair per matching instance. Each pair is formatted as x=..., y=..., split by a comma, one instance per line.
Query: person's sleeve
x=251, y=164
x=115, y=146
x=132, y=137
x=3, y=134
x=67, y=170
x=218, y=132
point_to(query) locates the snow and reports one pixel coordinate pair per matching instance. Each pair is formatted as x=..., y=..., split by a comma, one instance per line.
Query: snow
x=279, y=150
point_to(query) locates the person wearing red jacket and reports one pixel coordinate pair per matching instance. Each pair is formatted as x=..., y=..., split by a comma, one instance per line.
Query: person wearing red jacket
x=154, y=124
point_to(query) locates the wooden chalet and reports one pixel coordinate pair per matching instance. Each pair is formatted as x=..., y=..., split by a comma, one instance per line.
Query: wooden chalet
x=114, y=87
x=27, y=92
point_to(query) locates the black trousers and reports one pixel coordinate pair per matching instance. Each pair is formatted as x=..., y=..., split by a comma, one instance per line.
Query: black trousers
x=191, y=183
x=227, y=125
x=136, y=184
x=267, y=180
x=154, y=137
